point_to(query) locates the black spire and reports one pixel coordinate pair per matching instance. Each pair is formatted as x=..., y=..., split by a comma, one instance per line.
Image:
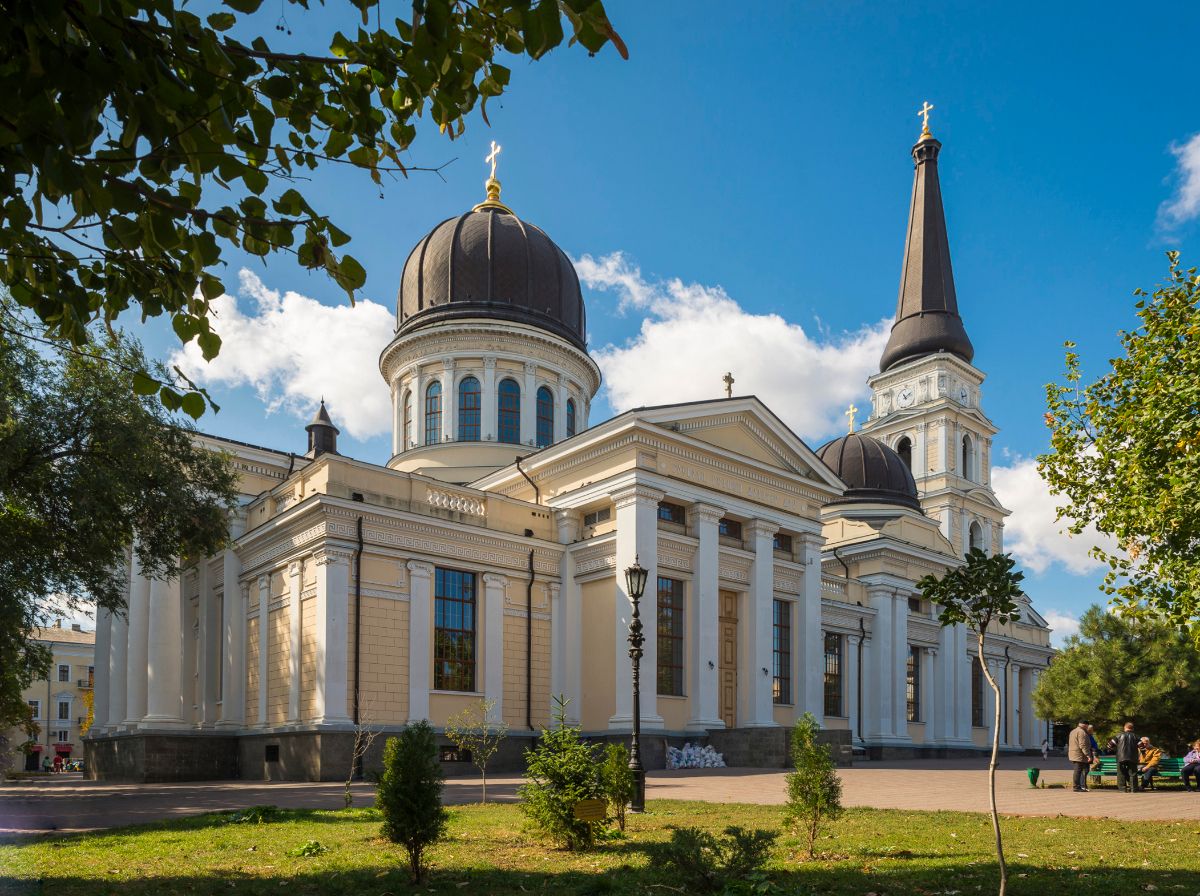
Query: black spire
x=322, y=434
x=927, y=318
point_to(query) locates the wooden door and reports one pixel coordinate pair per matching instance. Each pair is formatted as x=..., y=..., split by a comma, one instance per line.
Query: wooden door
x=727, y=671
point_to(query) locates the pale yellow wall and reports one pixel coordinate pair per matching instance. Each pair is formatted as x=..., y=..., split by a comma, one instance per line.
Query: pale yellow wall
x=597, y=663
x=443, y=705
x=836, y=723
x=308, y=657
x=278, y=680
x=252, y=670
x=675, y=711
x=384, y=661
x=515, y=639
x=916, y=732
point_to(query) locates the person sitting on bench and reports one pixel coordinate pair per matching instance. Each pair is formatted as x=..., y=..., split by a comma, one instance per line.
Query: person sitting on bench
x=1191, y=766
x=1149, y=756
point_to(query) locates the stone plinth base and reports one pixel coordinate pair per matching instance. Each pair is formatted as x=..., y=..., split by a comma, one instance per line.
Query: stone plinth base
x=152, y=757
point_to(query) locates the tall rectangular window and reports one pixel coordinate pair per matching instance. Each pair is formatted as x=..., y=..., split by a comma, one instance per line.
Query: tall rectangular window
x=454, y=630
x=64, y=672
x=781, y=652
x=508, y=412
x=670, y=637
x=976, y=693
x=91, y=679
x=833, y=674
x=35, y=709
x=433, y=413
x=64, y=736
x=912, y=683
x=64, y=710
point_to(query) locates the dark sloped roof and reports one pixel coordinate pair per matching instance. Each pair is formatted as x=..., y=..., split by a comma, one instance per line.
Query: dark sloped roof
x=872, y=471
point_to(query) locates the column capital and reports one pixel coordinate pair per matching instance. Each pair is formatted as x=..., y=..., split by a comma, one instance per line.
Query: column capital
x=564, y=380
x=419, y=569
x=263, y=582
x=489, y=362
x=448, y=364
x=707, y=513
x=295, y=568
x=761, y=529
x=637, y=494
x=495, y=580
x=568, y=523
x=554, y=588
x=530, y=368
x=329, y=556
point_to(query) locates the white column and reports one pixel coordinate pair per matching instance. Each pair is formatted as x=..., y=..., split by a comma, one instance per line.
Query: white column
x=941, y=691
x=397, y=417
x=164, y=693
x=487, y=401
x=761, y=618
x=419, y=382
x=494, y=589
x=209, y=646
x=637, y=539
x=810, y=634
x=850, y=685
x=920, y=467
x=560, y=409
x=931, y=708
x=1015, y=709
x=136, y=655
x=962, y=661
x=529, y=405
x=233, y=631
x=879, y=713
x=900, y=695
x=295, y=568
x=703, y=621
x=100, y=680
x=420, y=634
x=118, y=670
x=569, y=623
x=449, y=402
x=332, y=636
x=557, y=667
x=264, y=644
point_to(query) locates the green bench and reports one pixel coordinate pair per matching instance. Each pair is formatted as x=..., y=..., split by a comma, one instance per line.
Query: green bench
x=1168, y=767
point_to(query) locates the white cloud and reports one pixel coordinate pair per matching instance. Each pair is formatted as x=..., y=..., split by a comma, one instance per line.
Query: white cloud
x=1032, y=533
x=1185, y=204
x=293, y=350
x=692, y=334
x=1062, y=625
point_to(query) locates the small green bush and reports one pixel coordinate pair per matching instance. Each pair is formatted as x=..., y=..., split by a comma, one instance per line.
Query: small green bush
x=702, y=863
x=814, y=788
x=617, y=781
x=559, y=772
x=256, y=815
x=410, y=794
x=308, y=849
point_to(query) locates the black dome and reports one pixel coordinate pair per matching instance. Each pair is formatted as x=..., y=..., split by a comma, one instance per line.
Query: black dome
x=873, y=472
x=489, y=263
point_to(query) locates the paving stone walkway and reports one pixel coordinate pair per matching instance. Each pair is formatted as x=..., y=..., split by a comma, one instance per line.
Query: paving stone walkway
x=68, y=803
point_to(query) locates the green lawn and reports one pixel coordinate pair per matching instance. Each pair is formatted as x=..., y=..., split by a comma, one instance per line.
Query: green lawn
x=489, y=851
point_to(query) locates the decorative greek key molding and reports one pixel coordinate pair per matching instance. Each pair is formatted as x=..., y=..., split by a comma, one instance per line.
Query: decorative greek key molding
x=734, y=572
x=459, y=503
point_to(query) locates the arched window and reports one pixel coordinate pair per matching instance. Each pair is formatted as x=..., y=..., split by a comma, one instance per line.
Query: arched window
x=408, y=421
x=433, y=413
x=975, y=536
x=904, y=449
x=469, y=409
x=968, y=458
x=508, y=420
x=570, y=417
x=545, y=417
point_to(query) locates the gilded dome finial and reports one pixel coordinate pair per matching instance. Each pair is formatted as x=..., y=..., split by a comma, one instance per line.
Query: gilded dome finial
x=491, y=184
x=924, y=111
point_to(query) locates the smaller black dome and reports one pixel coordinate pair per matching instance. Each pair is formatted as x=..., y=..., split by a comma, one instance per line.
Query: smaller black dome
x=873, y=472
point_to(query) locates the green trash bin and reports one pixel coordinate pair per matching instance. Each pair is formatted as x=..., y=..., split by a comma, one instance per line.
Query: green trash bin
x=1033, y=774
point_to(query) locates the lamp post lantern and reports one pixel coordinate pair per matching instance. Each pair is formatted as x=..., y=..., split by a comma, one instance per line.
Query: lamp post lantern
x=635, y=583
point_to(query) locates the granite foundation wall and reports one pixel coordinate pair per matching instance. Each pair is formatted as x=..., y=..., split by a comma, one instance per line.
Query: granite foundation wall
x=770, y=747
x=149, y=757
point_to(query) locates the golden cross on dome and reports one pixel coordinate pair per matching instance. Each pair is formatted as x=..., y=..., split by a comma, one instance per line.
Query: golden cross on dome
x=727, y=379
x=491, y=157
x=850, y=412
x=926, y=108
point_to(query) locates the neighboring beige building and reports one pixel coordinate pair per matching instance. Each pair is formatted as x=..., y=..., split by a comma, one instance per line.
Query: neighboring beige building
x=485, y=560
x=58, y=701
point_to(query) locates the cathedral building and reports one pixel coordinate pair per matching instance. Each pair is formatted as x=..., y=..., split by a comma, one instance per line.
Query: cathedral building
x=485, y=560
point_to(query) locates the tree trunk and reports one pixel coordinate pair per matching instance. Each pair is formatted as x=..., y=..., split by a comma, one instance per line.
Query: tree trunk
x=992, y=768
x=483, y=774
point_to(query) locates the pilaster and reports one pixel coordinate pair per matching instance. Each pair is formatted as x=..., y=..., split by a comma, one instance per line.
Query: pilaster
x=529, y=405
x=136, y=655
x=100, y=694
x=332, y=635
x=494, y=589
x=264, y=645
x=760, y=711
x=487, y=400
x=164, y=696
x=449, y=402
x=703, y=622
x=420, y=632
x=637, y=541
x=295, y=568
x=568, y=620
x=810, y=634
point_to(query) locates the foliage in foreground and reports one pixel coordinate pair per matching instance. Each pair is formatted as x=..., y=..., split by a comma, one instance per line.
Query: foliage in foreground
x=84, y=464
x=487, y=850
x=704, y=863
x=1125, y=454
x=814, y=788
x=1136, y=669
x=474, y=730
x=560, y=771
x=617, y=781
x=141, y=141
x=410, y=794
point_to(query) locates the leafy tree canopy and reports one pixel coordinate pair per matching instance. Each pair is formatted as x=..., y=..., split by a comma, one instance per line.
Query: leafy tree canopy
x=84, y=464
x=1120, y=669
x=140, y=140
x=982, y=591
x=1126, y=453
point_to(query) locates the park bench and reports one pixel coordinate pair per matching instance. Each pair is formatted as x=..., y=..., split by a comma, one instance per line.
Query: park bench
x=1168, y=767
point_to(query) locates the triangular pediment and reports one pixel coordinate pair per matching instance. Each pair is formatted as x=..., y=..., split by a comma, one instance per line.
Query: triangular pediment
x=744, y=427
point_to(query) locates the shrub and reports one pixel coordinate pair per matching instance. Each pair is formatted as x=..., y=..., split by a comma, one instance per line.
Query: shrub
x=814, y=788
x=617, y=781
x=472, y=730
x=410, y=794
x=559, y=772
x=704, y=864
x=256, y=815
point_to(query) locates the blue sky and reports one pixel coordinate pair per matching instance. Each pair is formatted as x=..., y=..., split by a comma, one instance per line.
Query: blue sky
x=752, y=160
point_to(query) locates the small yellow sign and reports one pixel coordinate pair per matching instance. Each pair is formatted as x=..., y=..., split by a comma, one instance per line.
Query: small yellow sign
x=591, y=810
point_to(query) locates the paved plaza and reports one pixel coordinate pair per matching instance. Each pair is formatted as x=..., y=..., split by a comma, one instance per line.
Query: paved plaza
x=69, y=803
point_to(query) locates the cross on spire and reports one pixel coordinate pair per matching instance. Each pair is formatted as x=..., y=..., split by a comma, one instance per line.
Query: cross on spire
x=728, y=380
x=491, y=157
x=924, y=111
x=850, y=412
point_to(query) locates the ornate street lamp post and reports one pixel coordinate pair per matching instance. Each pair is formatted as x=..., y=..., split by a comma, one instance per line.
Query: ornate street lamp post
x=635, y=582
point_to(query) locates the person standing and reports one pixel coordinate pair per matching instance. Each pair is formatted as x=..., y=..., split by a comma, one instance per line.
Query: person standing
x=1046, y=750
x=1080, y=753
x=1149, y=756
x=1191, y=766
x=1125, y=745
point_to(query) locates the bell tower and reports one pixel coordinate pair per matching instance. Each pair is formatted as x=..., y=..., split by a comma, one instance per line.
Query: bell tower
x=927, y=397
